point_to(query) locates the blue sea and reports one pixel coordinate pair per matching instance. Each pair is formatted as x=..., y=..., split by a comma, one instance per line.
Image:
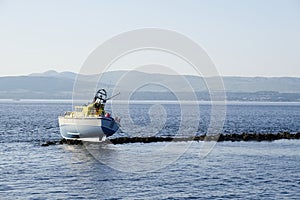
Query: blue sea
x=176, y=170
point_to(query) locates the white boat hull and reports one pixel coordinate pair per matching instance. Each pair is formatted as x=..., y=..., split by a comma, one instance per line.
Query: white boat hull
x=87, y=128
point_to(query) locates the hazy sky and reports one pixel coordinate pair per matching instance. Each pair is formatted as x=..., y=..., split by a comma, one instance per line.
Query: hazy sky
x=243, y=37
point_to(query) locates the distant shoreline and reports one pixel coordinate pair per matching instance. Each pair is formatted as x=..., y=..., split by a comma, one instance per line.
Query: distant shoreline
x=54, y=85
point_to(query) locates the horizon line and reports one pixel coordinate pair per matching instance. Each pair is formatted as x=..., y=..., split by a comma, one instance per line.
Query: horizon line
x=124, y=70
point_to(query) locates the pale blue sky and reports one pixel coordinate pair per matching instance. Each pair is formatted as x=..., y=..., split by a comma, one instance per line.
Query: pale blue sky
x=243, y=37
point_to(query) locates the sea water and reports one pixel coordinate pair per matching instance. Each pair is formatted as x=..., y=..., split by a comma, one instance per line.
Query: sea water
x=252, y=170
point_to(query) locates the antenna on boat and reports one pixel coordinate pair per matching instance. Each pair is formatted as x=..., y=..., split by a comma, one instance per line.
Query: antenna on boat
x=102, y=94
x=112, y=96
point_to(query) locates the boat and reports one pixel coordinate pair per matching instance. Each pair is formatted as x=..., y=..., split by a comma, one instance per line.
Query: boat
x=89, y=122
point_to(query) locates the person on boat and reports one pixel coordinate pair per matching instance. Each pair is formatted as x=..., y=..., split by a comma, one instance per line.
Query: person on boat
x=99, y=106
x=102, y=109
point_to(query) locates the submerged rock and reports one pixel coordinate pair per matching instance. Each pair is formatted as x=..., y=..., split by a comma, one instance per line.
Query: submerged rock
x=48, y=143
x=219, y=138
x=44, y=144
x=70, y=142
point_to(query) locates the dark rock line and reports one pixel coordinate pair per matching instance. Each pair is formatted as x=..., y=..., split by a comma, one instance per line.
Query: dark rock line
x=222, y=137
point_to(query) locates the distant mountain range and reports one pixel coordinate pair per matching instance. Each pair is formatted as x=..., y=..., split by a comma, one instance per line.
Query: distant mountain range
x=55, y=85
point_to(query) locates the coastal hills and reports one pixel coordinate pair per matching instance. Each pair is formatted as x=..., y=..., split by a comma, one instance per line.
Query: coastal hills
x=55, y=85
